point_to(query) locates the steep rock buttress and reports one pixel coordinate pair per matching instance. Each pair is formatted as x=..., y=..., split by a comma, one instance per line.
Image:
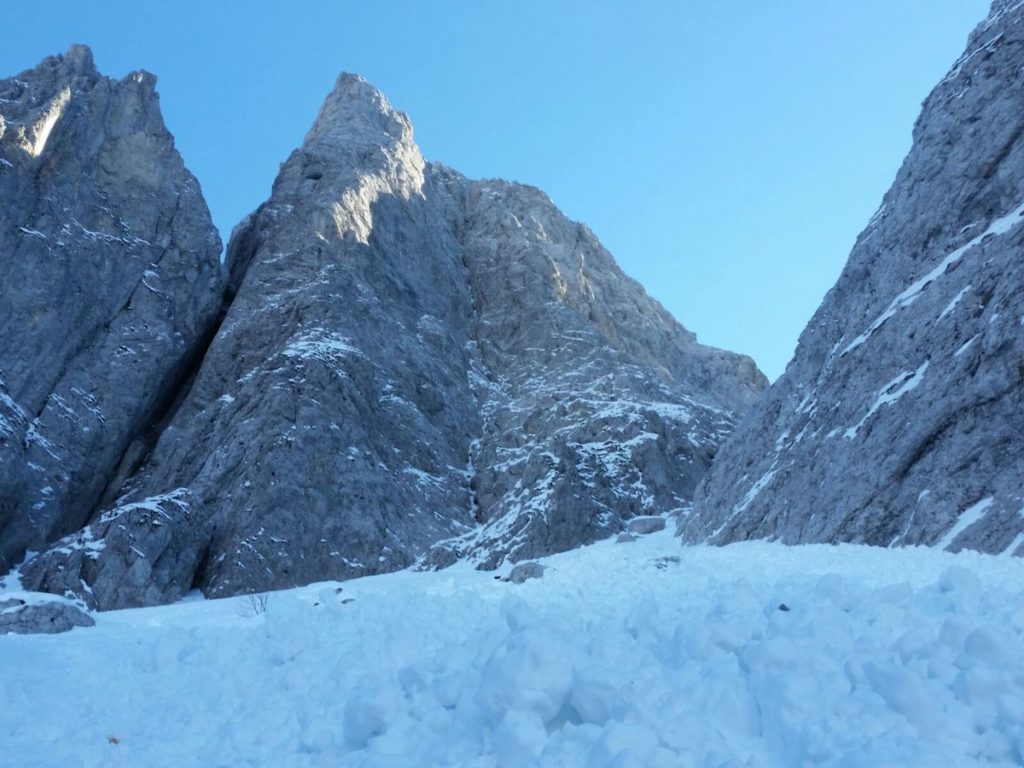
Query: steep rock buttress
x=900, y=420
x=110, y=281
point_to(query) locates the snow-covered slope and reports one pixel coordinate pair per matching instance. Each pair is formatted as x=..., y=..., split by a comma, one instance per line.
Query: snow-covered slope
x=636, y=654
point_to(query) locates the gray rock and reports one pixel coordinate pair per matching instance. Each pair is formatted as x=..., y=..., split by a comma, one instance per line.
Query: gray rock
x=625, y=538
x=596, y=404
x=648, y=524
x=900, y=420
x=327, y=433
x=111, y=281
x=141, y=553
x=524, y=572
x=41, y=617
x=414, y=365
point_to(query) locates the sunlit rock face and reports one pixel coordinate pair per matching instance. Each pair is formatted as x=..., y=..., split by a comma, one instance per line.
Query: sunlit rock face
x=111, y=278
x=415, y=368
x=900, y=420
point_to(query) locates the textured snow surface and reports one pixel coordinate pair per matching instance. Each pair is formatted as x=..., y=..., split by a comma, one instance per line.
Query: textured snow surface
x=637, y=654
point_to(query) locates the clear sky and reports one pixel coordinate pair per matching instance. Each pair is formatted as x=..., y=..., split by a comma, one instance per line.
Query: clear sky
x=727, y=153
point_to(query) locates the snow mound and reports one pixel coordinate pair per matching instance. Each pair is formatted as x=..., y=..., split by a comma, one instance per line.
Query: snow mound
x=646, y=654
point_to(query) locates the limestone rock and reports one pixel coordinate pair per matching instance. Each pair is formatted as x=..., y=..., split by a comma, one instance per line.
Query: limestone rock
x=523, y=572
x=649, y=524
x=141, y=553
x=111, y=281
x=900, y=420
x=47, y=616
x=414, y=365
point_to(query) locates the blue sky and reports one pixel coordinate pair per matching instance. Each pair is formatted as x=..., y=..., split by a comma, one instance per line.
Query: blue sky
x=727, y=153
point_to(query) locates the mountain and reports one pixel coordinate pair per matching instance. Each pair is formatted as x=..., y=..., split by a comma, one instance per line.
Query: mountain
x=900, y=420
x=413, y=368
x=111, y=283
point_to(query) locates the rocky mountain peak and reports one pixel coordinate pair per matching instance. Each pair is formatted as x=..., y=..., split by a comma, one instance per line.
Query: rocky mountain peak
x=413, y=367
x=76, y=62
x=355, y=114
x=112, y=282
x=358, y=149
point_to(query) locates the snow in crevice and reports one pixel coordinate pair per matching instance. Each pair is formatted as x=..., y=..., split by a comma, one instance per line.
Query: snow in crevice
x=877, y=216
x=954, y=301
x=996, y=17
x=960, y=63
x=965, y=520
x=997, y=228
x=748, y=498
x=152, y=506
x=891, y=392
x=1018, y=541
x=321, y=345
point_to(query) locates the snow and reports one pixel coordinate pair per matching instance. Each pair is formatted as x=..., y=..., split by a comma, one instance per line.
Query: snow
x=891, y=392
x=955, y=300
x=997, y=228
x=321, y=345
x=754, y=491
x=959, y=64
x=965, y=346
x=638, y=654
x=966, y=519
x=152, y=507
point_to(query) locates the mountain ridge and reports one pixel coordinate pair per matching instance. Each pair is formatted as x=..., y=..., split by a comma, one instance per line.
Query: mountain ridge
x=405, y=357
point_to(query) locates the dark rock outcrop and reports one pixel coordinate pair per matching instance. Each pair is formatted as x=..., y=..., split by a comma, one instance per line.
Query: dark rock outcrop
x=900, y=420
x=111, y=282
x=414, y=365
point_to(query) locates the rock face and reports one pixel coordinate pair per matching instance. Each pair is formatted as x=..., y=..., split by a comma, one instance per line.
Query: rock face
x=110, y=281
x=415, y=367
x=47, y=617
x=900, y=420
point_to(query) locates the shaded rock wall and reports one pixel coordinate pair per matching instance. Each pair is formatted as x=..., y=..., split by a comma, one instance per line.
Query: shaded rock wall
x=111, y=282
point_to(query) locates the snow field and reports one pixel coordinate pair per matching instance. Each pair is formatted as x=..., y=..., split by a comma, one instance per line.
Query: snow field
x=622, y=655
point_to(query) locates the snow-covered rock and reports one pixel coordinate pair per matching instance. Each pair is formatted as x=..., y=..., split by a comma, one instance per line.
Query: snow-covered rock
x=34, y=614
x=900, y=420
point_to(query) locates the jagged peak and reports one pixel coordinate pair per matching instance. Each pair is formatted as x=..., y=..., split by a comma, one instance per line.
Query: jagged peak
x=76, y=63
x=79, y=58
x=355, y=113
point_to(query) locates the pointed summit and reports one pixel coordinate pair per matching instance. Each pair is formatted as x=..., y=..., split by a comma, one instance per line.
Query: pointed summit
x=357, y=114
x=79, y=59
x=415, y=365
x=105, y=296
